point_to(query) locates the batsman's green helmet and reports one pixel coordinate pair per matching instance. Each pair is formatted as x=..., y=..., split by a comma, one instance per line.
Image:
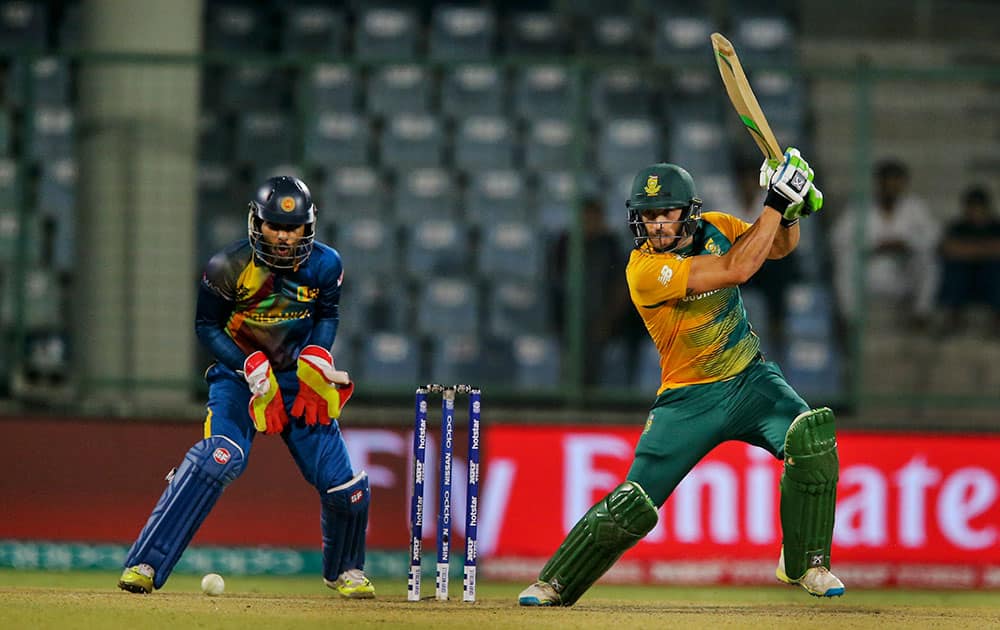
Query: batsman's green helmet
x=662, y=186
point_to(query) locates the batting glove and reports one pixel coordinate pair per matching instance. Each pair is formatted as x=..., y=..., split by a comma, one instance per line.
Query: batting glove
x=790, y=185
x=267, y=409
x=323, y=389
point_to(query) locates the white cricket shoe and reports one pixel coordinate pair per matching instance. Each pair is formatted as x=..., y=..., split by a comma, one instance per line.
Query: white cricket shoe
x=539, y=594
x=817, y=581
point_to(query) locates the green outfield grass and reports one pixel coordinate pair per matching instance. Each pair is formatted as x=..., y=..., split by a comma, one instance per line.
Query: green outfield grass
x=80, y=599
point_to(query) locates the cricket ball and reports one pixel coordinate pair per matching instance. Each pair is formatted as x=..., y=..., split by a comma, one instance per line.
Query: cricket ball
x=213, y=584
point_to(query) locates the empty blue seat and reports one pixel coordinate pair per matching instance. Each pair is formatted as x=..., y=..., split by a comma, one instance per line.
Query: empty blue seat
x=335, y=139
x=437, y=247
x=426, y=193
x=812, y=367
x=498, y=196
x=612, y=34
x=701, y=146
x=763, y=35
x=459, y=359
x=549, y=145
x=52, y=134
x=390, y=359
x=537, y=362
x=6, y=132
x=472, y=90
x=628, y=144
x=516, y=307
x=253, y=86
x=371, y=302
x=23, y=26
x=332, y=87
x=9, y=190
x=263, y=139
x=232, y=27
x=399, y=89
x=412, y=140
x=51, y=81
x=369, y=243
x=620, y=93
x=356, y=191
x=809, y=312
x=511, y=250
x=536, y=34
x=42, y=300
x=314, y=30
x=613, y=371
x=447, y=306
x=648, y=374
x=544, y=91
x=617, y=191
x=555, y=195
x=780, y=92
x=215, y=137
x=717, y=189
x=462, y=33
x=483, y=142
x=682, y=37
x=386, y=34
x=56, y=201
x=223, y=226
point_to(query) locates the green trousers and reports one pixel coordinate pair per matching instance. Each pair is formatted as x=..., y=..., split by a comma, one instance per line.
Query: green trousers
x=756, y=406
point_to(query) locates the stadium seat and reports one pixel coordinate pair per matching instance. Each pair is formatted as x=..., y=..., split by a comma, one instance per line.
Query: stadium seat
x=755, y=304
x=314, y=30
x=51, y=82
x=43, y=307
x=472, y=90
x=386, y=34
x=557, y=192
x=536, y=34
x=701, y=146
x=253, y=86
x=619, y=93
x=426, y=193
x=812, y=367
x=372, y=302
x=613, y=371
x=337, y=139
x=681, y=37
x=498, y=196
x=510, y=250
x=611, y=34
x=56, y=202
x=762, y=35
x=458, y=358
x=10, y=191
x=23, y=26
x=222, y=226
x=483, y=142
x=263, y=139
x=234, y=28
x=447, y=306
x=369, y=245
x=6, y=132
x=628, y=144
x=215, y=137
x=390, y=359
x=436, y=247
x=331, y=87
x=781, y=93
x=411, y=140
x=616, y=192
x=345, y=354
x=648, y=375
x=809, y=311
x=717, y=189
x=516, y=307
x=52, y=134
x=537, y=362
x=549, y=145
x=399, y=89
x=356, y=191
x=461, y=33
x=543, y=91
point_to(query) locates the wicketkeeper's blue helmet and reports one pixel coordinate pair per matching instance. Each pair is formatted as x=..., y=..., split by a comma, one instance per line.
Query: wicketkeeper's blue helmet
x=282, y=200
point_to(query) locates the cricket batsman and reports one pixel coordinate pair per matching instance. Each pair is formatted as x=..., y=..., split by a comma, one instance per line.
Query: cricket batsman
x=683, y=277
x=268, y=312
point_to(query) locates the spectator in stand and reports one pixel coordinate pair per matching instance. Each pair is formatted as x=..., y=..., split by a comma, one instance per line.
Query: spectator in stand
x=899, y=249
x=970, y=260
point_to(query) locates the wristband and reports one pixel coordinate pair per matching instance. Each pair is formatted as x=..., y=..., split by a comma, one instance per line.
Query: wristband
x=787, y=223
x=776, y=201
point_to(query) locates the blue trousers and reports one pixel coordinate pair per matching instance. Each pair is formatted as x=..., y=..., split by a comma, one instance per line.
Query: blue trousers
x=318, y=450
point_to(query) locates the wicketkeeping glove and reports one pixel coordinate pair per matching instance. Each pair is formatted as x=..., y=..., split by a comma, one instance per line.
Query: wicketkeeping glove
x=267, y=409
x=323, y=389
x=790, y=186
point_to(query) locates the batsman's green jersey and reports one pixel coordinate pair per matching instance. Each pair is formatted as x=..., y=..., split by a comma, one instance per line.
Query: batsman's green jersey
x=715, y=385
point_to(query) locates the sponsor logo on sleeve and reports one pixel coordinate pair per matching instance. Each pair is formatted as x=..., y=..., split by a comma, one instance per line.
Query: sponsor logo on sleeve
x=666, y=273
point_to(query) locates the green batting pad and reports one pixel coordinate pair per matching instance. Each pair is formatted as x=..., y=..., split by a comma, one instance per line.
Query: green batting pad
x=809, y=491
x=595, y=543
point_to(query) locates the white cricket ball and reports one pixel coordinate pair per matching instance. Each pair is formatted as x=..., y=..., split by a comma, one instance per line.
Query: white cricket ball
x=213, y=584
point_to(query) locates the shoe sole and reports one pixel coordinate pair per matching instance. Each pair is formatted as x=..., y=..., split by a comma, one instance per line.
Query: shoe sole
x=356, y=595
x=534, y=601
x=833, y=592
x=133, y=588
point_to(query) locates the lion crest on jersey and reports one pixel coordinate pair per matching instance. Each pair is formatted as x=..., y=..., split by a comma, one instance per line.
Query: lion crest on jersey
x=652, y=186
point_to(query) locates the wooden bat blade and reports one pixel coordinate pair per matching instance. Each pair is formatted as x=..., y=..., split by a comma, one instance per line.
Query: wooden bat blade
x=742, y=97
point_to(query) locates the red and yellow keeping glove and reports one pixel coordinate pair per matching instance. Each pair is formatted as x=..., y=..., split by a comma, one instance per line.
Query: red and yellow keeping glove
x=267, y=409
x=323, y=390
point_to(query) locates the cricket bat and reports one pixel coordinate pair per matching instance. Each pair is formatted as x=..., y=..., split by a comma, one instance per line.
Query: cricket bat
x=743, y=98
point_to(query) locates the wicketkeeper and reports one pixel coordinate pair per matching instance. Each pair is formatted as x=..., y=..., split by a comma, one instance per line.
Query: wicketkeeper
x=683, y=277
